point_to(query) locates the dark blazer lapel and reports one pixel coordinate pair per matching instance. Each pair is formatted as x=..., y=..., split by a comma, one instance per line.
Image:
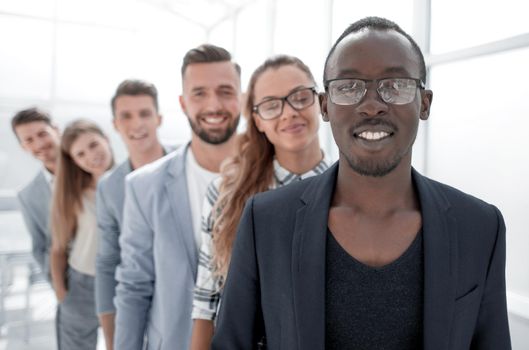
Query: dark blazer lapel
x=440, y=252
x=177, y=193
x=308, y=260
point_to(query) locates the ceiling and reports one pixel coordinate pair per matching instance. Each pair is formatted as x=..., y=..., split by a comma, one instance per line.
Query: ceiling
x=206, y=13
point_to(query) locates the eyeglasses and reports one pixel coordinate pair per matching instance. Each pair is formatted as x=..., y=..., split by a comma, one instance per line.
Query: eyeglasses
x=298, y=100
x=397, y=91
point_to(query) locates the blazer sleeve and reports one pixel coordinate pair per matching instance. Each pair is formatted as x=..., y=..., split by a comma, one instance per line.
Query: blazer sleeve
x=239, y=324
x=135, y=275
x=39, y=239
x=492, y=328
x=108, y=251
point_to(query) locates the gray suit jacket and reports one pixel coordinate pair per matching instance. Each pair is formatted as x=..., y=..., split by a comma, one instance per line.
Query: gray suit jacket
x=110, y=200
x=35, y=201
x=158, y=266
x=109, y=204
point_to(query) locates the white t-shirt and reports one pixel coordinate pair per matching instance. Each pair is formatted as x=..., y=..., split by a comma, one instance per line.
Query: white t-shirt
x=49, y=177
x=82, y=257
x=198, y=180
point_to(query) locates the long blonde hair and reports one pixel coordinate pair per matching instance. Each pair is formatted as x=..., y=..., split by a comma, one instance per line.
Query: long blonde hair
x=69, y=184
x=249, y=172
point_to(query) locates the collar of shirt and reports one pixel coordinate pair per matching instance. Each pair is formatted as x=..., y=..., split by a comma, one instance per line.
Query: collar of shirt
x=48, y=176
x=284, y=177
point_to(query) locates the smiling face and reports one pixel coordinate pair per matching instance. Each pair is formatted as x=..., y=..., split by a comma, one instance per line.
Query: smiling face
x=40, y=139
x=373, y=136
x=91, y=152
x=211, y=100
x=293, y=130
x=137, y=120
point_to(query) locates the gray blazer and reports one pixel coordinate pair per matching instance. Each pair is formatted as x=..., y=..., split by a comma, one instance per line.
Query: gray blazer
x=35, y=201
x=109, y=203
x=158, y=266
x=110, y=199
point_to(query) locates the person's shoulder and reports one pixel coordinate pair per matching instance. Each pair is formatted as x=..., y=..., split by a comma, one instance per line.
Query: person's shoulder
x=37, y=181
x=115, y=176
x=153, y=173
x=285, y=196
x=464, y=204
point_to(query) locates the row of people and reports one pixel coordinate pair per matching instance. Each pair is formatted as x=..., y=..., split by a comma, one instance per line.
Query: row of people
x=370, y=254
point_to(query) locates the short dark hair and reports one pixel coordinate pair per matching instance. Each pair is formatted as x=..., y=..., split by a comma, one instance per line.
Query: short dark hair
x=207, y=53
x=135, y=87
x=30, y=115
x=378, y=23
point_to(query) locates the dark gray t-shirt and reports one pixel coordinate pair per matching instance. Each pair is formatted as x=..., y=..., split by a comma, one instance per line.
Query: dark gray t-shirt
x=368, y=308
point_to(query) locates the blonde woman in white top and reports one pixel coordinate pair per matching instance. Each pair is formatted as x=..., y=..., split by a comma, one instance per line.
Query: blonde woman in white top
x=85, y=156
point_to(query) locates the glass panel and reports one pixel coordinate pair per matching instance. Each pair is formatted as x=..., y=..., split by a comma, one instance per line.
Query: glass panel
x=25, y=58
x=91, y=61
x=114, y=13
x=477, y=143
x=223, y=35
x=346, y=12
x=459, y=24
x=40, y=8
x=251, y=46
x=304, y=39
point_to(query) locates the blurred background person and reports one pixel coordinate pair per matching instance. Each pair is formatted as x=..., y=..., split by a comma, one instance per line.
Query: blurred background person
x=85, y=156
x=280, y=146
x=38, y=136
x=136, y=118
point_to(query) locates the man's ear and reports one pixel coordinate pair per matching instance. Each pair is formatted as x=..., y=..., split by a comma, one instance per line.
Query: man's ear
x=182, y=104
x=160, y=118
x=115, y=124
x=426, y=103
x=322, y=98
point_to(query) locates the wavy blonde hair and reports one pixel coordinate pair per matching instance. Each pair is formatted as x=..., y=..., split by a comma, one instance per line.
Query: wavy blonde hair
x=251, y=171
x=69, y=184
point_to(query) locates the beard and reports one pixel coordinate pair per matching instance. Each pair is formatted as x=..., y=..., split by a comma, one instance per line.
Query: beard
x=216, y=136
x=372, y=167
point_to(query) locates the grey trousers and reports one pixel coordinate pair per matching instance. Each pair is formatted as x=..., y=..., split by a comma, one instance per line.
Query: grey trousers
x=76, y=320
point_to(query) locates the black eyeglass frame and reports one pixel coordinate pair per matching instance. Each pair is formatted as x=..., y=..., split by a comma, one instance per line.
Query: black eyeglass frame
x=255, y=109
x=420, y=84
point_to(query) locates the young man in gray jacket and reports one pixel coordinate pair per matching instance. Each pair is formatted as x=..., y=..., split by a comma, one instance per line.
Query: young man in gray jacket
x=38, y=136
x=136, y=118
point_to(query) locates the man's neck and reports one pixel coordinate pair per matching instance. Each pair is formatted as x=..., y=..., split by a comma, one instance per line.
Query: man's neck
x=50, y=167
x=302, y=161
x=376, y=195
x=139, y=159
x=210, y=156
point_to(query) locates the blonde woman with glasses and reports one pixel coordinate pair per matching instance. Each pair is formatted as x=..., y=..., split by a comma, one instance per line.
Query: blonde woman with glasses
x=280, y=146
x=84, y=157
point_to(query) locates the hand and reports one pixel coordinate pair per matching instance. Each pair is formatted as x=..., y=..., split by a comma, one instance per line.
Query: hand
x=60, y=293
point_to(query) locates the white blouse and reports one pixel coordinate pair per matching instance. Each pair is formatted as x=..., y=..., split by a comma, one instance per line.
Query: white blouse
x=82, y=256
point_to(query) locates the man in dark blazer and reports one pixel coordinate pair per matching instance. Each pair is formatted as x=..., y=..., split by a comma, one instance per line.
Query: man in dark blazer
x=371, y=254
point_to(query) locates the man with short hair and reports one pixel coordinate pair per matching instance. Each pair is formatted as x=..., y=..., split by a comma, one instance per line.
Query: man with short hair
x=161, y=221
x=38, y=136
x=136, y=118
x=371, y=254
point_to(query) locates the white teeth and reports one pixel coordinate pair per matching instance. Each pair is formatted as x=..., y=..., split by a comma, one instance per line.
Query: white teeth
x=213, y=120
x=369, y=135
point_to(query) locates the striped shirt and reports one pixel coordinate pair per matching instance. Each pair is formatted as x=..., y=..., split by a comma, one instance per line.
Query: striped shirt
x=207, y=291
